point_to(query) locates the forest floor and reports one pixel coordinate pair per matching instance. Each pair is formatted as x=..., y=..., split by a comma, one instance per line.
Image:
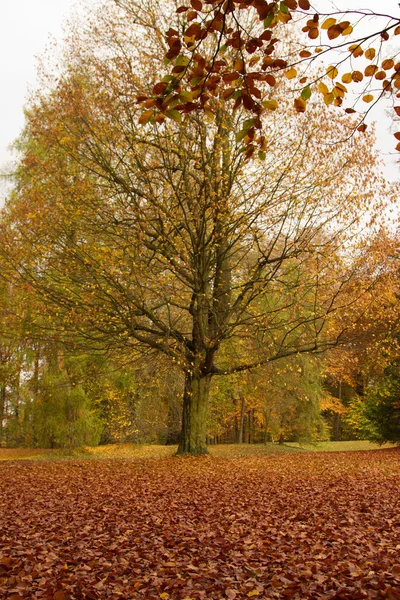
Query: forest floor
x=300, y=525
x=158, y=451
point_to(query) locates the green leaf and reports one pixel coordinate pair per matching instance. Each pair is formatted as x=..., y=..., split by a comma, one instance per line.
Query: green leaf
x=262, y=155
x=182, y=61
x=195, y=81
x=167, y=78
x=175, y=115
x=248, y=124
x=283, y=8
x=306, y=93
x=241, y=135
x=186, y=96
x=268, y=20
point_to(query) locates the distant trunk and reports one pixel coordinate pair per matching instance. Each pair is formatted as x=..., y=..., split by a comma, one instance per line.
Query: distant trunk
x=241, y=429
x=194, y=417
x=267, y=416
x=2, y=409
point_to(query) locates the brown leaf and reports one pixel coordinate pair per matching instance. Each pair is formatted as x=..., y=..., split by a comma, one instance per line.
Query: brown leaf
x=300, y=105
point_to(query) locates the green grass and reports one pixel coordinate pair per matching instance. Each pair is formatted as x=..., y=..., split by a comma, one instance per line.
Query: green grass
x=140, y=451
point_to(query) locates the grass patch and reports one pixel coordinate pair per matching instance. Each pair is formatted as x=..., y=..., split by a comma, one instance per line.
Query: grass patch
x=149, y=451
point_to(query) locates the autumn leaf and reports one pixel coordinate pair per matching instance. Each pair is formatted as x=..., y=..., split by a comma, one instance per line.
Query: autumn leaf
x=291, y=73
x=300, y=105
x=370, y=53
x=332, y=72
x=270, y=104
x=173, y=114
x=328, y=23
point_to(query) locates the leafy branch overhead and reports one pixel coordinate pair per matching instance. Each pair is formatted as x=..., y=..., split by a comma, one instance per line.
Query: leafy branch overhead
x=247, y=58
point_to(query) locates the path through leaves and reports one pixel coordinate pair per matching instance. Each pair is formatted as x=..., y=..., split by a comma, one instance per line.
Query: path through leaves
x=302, y=526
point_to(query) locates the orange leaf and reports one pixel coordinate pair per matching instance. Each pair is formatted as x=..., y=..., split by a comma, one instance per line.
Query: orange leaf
x=356, y=50
x=300, y=105
x=145, y=117
x=368, y=98
x=370, y=53
x=357, y=76
x=334, y=32
x=388, y=64
x=370, y=70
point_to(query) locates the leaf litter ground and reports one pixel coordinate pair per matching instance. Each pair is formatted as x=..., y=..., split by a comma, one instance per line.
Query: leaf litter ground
x=302, y=526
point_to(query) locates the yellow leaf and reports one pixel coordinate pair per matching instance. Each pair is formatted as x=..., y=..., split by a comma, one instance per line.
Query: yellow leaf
x=348, y=30
x=253, y=593
x=323, y=88
x=164, y=595
x=328, y=23
x=291, y=73
x=346, y=78
x=368, y=98
x=332, y=72
x=270, y=104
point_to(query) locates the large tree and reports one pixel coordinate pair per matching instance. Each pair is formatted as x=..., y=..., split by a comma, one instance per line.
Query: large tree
x=164, y=239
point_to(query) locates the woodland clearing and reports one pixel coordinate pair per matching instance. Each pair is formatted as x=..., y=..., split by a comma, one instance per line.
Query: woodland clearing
x=299, y=525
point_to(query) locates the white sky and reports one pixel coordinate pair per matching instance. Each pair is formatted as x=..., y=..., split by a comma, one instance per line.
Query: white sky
x=25, y=30
x=25, y=27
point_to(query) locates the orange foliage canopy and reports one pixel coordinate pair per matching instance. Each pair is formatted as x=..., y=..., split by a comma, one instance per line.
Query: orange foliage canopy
x=234, y=51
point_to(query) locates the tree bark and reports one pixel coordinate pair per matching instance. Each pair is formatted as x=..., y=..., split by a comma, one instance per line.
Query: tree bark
x=2, y=408
x=241, y=427
x=194, y=416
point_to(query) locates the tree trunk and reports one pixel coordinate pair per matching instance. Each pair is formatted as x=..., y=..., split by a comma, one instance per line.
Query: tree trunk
x=241, y=429
x=194, y=417
x=267, y=415
x=2, y=409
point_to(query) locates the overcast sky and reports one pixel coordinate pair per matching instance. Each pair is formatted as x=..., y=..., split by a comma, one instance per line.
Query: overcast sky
x=25, y=30
x=25, y=27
